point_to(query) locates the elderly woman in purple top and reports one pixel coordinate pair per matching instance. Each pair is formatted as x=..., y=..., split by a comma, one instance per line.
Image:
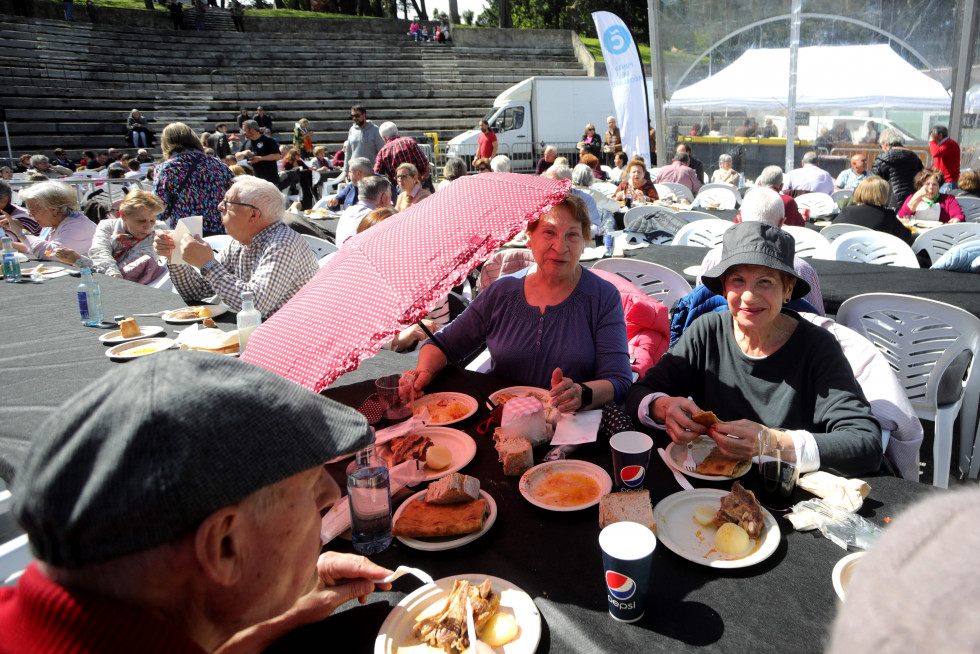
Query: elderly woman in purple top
x=559, y=327
x=51, y=204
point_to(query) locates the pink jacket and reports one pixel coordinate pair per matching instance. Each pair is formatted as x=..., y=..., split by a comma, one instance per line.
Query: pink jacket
x=647, y=323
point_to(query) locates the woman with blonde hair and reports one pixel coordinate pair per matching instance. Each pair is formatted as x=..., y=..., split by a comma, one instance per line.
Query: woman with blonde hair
x=871, y=210
x=189, y=182
x=407, y=177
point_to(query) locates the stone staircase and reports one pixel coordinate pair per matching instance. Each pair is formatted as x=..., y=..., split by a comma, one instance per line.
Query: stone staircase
x=73, y=84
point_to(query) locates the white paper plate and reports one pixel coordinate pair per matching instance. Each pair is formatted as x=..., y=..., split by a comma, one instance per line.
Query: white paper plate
x=395, y=634
x=161, y=344
x=843, y=571
x=460, y=444
x=216, y=310
x=681, y=533
x=702, y=447
x=146, y=331
x=540, y=473
x=432, y=398
x=446, y=542
x=45, y=269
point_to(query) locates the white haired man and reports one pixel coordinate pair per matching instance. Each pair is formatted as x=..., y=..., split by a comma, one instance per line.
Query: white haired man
x=265, y=256
x=42, y=165
x=374, y=193
x=500, y=164
x=398, y=150
x=358, y=169
x=548, y=158
x=764, y=205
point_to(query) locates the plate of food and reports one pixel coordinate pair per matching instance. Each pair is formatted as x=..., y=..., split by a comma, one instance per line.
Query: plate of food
x=130, y=330
x=188, y=315
x=509, y=393
x=447, y=408
x=715, y=528
x=41, y=269
x=450, y=513
x=505, y=617
x=565, y=485
x=712, y=464
x=139, y=348
x=443, y=449
x=210, y=339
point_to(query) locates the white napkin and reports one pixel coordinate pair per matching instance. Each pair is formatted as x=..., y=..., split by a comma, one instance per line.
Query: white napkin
x=847, y=494
x=578, y=427
x=337, y=520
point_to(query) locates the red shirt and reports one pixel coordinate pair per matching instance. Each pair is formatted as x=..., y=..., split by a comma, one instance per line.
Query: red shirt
x=397, y=151
x=484, y=148
x=946, y=157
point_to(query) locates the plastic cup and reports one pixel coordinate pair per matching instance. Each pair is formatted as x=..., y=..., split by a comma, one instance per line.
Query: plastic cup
x=627, y=549
x=398, y=401
x=631, y=457
x=778, y=470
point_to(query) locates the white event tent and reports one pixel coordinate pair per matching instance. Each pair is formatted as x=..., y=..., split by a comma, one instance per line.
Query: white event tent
x=874, y=76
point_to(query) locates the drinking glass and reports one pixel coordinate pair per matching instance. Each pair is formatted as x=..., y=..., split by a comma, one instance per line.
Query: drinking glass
x=778, y=470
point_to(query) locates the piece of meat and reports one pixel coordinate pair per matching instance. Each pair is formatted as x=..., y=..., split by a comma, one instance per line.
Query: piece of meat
x=741, y=507
x=447, y=629
x=408, y=447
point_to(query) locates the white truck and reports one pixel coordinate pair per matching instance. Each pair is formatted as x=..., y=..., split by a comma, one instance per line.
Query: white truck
x=542, y=111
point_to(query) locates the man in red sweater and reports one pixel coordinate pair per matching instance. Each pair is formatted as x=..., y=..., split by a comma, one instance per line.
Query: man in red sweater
x=174, y=508
x=946, y=157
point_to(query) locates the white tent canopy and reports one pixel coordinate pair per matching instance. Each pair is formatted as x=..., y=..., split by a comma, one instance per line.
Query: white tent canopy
x=874, y=76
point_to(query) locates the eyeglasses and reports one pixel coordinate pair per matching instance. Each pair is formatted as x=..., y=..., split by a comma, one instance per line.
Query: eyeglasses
x=404, y=176
x=355, y=116
x=482, y=169
x=223, y=205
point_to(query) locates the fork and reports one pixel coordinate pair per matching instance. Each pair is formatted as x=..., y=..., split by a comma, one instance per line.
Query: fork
x=689, y=463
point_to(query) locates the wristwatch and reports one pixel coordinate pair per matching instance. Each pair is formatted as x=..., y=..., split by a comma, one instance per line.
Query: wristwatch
x=209, y=265
x=586, y=395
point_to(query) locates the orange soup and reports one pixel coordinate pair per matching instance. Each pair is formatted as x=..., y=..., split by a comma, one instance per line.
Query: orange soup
x=566, y=489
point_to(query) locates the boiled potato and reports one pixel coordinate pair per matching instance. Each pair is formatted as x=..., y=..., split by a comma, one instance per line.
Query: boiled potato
x=705, y=514
x=499, y=630
x=732, y=539
x=438, y=457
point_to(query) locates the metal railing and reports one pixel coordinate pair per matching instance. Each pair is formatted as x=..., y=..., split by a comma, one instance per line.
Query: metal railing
x=83, y=185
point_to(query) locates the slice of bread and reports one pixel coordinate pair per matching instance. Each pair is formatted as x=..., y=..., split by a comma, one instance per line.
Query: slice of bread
x=452, y=489
x=627, y=507
x=516, y=455
x=128, y=328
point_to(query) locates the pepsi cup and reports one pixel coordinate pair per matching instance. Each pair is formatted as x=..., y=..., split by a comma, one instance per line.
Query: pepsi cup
x=631, y=457
x=627, y=549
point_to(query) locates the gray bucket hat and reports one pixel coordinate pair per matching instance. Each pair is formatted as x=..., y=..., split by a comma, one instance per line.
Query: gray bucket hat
x=760, y=244
x=144, y=454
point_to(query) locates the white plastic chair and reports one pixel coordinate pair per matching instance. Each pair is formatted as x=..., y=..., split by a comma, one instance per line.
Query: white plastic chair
x=970, y=207
x=831, y=232
x=706, y=233
x=606, y=188
x=726, y=195
x=870, y=246
x=843, y=193
x=819, y=204
x=163, y=282
x=656, y=281
x=808, y=242
x=691, y=216
x=320, y=247
x=218, y=242
x=938, y=240
x=15, y=554
x=921, y=339
x=681, y=191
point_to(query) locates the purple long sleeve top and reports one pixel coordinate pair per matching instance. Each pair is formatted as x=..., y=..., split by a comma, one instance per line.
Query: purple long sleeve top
x=74, y=232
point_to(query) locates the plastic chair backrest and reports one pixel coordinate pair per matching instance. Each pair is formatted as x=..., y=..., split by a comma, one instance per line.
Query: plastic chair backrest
x=725, y=195
x=606, y=188
x=656, y=281
x=320, y=247
x=15, y=555
x=832, y=232
x=218, y=242
x=705, y=233
x=970, y=207
x=681, y=191
x=870, y=246
x=819, y=204
x=691, y=216
x=843, y=193
x=938, y=240
x=808, y=242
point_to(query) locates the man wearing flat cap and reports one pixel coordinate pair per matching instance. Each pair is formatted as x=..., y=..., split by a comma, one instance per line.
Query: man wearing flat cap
x=162, y=521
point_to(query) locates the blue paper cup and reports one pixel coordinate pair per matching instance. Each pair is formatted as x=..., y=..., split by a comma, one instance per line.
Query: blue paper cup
x=627, y=549
x=631, y=458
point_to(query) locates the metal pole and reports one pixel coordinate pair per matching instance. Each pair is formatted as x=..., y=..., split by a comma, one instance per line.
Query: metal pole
x=658, y=77
x=794, y=50
x=6, y=134
x=964, y=64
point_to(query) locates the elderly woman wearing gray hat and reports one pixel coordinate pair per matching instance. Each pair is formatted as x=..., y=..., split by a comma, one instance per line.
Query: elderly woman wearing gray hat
x=759, y=365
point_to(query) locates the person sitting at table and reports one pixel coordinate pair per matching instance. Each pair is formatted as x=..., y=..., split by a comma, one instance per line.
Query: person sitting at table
x=42, y=165
x=968, y=185
x=725, y=173
x=374, y=192
x=359, y=168
x=927, y=203
x=412, y=192
x=224, y=556
x=759, y=365
x=619, y=170
x=582, y=180
x=764, y=205
x=558, y=327
x=870, y=209
x=637, y=185
x=6, y=172
x=561, y=171
x=500, y=164
x=10, y=210
x=772, y=177
x=51, y=204
x=123, y=246
x=320, y=161
x=593, y=163
x=454, y=169
x=481, y=165
x=680, y=172
x=264, y=256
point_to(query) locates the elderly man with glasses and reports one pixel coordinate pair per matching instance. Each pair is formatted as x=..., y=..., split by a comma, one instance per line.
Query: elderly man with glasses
x=363, y=139
x=265, y=256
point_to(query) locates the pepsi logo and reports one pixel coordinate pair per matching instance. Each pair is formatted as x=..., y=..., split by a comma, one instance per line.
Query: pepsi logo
x=632, y=476
x=620, y=586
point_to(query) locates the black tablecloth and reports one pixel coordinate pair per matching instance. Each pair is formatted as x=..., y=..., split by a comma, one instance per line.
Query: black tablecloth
x=784, y=604
x=840, y=280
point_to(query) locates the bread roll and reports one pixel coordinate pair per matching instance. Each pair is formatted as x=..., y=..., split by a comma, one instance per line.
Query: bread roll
x=128, y=328
x=627, y=507
x=516, y=455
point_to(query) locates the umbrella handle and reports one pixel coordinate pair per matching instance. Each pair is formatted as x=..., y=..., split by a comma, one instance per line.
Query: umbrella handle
x=455, y=363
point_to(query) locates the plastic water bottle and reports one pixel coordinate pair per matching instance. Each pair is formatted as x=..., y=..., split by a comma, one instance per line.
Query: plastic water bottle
x=370, y=502
x=11, y=269
x=89, y=299
x=248, y=319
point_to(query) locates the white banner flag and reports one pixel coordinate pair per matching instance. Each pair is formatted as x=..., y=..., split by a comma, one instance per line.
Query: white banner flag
x=626, y=79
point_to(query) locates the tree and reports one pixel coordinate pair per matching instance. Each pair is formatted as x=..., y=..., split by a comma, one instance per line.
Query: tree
x=420, y=9
x=468, y=16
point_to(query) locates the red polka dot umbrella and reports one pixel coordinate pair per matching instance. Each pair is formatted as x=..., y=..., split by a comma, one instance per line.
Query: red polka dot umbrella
x=391, y=275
